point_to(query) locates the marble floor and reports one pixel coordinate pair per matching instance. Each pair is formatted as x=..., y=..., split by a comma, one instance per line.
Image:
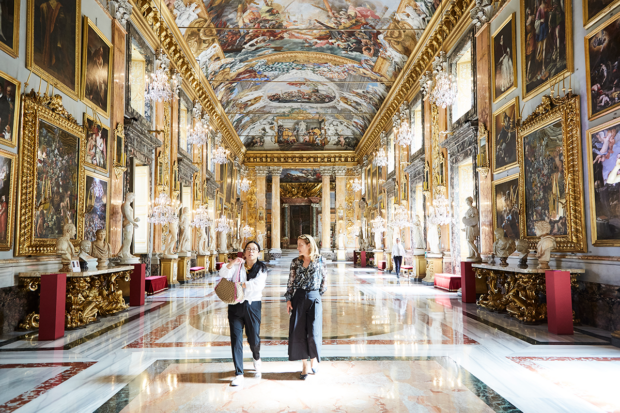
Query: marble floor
x=389, y=346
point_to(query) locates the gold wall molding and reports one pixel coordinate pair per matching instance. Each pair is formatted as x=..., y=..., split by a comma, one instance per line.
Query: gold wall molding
x=300, y=159
x=445, y=27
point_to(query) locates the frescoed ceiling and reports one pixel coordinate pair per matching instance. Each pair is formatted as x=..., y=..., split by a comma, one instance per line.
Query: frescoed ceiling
x=302, y=74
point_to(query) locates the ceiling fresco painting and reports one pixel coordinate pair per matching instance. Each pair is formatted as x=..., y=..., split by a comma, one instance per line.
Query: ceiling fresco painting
x=302, y=74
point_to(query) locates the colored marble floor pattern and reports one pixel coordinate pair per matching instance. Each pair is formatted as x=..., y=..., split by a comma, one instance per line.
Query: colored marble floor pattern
x=389, y=345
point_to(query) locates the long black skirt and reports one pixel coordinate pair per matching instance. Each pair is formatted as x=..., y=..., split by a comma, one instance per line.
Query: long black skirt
x=305, y=332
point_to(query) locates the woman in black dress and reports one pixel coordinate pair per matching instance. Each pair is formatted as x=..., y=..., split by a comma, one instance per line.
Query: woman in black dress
x=306, y=285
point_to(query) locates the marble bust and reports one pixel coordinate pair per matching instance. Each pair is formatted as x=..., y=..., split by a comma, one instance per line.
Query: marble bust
x=545, y=245
x=472, y=229
x=129, y=224
x=523, y=249
x=85, y=250
x=101, y=249
x=65, y=248
x=503, y=247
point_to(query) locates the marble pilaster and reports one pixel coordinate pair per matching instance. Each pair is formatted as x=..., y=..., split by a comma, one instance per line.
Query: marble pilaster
x=341, y=187
x=287, y=223
x=275, y=251
x=326, y=172
x=314, y=219
x=261, y=188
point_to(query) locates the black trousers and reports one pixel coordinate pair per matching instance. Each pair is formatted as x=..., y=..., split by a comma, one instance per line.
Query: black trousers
x=305, y=332
x=398, y=260
x=248, y=316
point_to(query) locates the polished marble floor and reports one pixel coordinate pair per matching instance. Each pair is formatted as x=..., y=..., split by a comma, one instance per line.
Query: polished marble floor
x=389, y=346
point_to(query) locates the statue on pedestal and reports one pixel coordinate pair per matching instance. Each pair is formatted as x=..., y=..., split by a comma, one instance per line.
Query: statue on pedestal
x=65, y=248
x=259, y=238
x=472, y=228
x=173, y=236
x=433, y=238
x=341, y=241
x=101, y=249
x=363, y=205
x=129, y=224
x=418, y=238
x=203, y=248
x=523, y=248
x=503, y=247
x=545, y=245
x=185, y=239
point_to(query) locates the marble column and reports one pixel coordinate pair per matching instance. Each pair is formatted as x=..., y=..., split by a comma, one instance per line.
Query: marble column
x=287, y=224
x=261, y=187
x=326, y=172
x=275, y=251
x=314, y=218
x=341, y=188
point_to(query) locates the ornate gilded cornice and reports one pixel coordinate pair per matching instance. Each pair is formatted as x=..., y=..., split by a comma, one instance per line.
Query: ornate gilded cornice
x=174, y=45
x=428, y=46
x=300, y=159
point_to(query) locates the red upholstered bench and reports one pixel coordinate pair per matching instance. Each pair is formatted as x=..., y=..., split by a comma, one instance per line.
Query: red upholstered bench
x=155, y=284
x=406, y=270
x=218, y=265
x=197, y=272
x=449, y=282
x=382, y=265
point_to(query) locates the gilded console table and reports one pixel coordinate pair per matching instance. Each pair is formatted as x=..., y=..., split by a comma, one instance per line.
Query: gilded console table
x=88, y=295
x=519, y=292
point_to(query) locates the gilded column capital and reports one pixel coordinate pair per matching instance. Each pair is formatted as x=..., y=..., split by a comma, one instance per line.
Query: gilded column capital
x=326, y=170
x=262, y=170
x=340, y=170
x=275, y=170
x=315, y=205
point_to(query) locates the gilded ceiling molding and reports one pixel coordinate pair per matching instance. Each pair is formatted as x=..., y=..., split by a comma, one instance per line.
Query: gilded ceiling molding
x=174, y=45
x=300, y=159
x=422, y=56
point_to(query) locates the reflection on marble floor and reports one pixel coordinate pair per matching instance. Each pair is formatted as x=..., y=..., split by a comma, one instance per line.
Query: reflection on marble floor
x=390, y=345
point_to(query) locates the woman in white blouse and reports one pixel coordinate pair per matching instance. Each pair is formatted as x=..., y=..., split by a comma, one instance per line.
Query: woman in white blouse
x=247, y=313
x=398, y=251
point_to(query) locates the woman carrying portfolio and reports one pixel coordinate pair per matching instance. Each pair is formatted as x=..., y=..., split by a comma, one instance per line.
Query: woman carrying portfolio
x=306, y=285
x=252, y=274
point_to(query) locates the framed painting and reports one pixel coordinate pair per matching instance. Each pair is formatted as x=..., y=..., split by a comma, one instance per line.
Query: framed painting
x=96, y=206
x=604, y=176
x=546, y=44
x=51, y=177
x=8, y=168
x=504, y=135
x=53, y=51
x=504, y=58
x=97, y=153
x=595, y=10
x=505, y=201
x=10, y=94
x=9, y=27
x=550, y=180
x=601, y=57
x=96, y=68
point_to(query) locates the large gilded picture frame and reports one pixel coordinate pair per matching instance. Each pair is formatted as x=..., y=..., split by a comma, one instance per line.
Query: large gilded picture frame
x=551, y=173
x=9, y=21
x=97, y=140
x=55, y=41
x=505, y=201
x=49, y=195
x=96, y=205
x=9, y=109
x=8, y=169
x=96, y=68
x=595, y=10
x=504, y=136
x=603, y=179
x=504, y=59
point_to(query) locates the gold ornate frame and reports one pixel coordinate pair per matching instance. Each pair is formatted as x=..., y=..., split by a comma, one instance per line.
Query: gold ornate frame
x=513, y=20
x=586, y=41
x=39, y=71
x=35, y=108
x=88, y=24
x=568, y=24
x=14, y=51
x=7, y=245
x=108, y=144
x=498, y=112
x=107, y=201
x=509, y=178
x=551, y=110
x=590, y=21
x=594, y=230
x=18, y=90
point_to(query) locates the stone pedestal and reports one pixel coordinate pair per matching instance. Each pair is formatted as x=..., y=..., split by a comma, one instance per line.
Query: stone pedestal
x=389, y=264
x=136, y=290
x=275, y=253
x=468, y=282
x=379, y=256
x=211, y=259
x=419, y=267
x=52, y=318
x=184, y=263
x=341, y=255
x=202, y=261
x=169, y=269
x=222, y=257
x=434, y=264
x=559, y=303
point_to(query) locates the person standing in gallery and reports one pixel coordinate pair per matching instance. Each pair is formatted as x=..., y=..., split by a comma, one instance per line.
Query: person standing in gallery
x=306, y=285
x=398, y=252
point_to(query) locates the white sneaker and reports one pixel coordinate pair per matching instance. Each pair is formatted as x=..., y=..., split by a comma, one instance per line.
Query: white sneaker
x=237, y=381
x=257, y=368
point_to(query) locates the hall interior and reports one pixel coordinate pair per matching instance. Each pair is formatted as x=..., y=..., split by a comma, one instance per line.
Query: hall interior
x=479, y=135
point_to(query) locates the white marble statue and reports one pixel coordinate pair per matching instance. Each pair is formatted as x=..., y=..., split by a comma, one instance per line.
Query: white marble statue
x=212, y=241
x=378, y=236
x=259, y=238
x=432, y=236
x=418, y=238
x=203, y=248
x=129, y=225
x=171, y=239
x=185, y=237
x=472, y=228
x=65, y=248
x=85, y=249
x=101, y=249
x=545, y=245
x=341, y=240
x=503, y=247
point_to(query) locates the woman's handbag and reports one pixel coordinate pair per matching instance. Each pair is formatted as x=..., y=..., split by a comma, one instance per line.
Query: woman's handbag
x=231, y=292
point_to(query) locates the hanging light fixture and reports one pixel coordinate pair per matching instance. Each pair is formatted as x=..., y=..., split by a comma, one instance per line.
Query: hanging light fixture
x=400, y=218
x=357, y=184
x=244, y=185
x=201, y=218
x=164, y=210
x=444, y=91
x=158, y=89
x=381, y=158
x=221, y=225
x=402, y=126
x=378, y=224
x=199, y=134
x=220, y=155
x=247, y=231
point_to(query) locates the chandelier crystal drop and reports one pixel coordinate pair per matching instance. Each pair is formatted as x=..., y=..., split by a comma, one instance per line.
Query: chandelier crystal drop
x=201, y=218
x=381, y=158
x=220, y=155
x=439, y=213
x=444, y=88
x=247, y=231
x=356, y=185
x=198, y=135
x=244, y=185
x=221, y=225
x=160, y=87
x=197, y=110
x=402, y=126
x=163, y=212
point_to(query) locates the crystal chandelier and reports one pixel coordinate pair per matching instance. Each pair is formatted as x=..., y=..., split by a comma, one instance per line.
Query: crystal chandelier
x=444, y=90
x=199, y=135
x=381, y=157
x=164, y=210
x=400, y=218
x=160, y=87
x=221, y=225
x=402, y=126
x=439, y=213
x=201, y=218
x=356, y=185
x=220, y=155
x=247, y=231
x=244, y=185
x=378, y=225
